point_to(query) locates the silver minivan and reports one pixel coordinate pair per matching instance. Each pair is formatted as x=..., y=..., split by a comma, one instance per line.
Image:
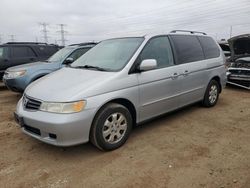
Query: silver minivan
x=119, y=83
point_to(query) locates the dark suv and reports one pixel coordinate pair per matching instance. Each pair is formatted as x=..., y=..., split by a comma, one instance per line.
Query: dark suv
x=17, y=53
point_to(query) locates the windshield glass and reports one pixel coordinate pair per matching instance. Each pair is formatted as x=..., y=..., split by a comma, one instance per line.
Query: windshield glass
x=111, y=55
x=60, y=55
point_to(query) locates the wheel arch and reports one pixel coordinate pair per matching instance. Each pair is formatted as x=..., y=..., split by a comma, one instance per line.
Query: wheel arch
x=122, y=101
x=217, y=78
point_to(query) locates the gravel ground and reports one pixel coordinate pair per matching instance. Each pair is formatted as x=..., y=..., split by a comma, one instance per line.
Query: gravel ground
x=193, y=147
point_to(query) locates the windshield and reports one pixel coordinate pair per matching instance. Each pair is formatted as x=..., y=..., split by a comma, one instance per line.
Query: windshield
x=110, y=55
x=60, y=55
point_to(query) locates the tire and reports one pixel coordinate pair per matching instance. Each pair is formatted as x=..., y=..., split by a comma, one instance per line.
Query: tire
x=111, y=127
x=212, y=94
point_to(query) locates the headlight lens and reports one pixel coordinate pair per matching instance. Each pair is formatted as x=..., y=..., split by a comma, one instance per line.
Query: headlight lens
x=65, y=108
x=14, y=74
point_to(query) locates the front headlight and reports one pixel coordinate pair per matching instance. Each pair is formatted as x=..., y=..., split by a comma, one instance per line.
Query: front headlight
x=65, y=108
x=14, y=74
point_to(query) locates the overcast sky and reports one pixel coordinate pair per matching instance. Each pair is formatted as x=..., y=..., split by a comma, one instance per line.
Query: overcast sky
x=99, y=19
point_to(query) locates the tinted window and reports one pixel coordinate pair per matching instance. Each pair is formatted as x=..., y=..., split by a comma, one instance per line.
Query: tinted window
x=46, y=51
x=3, y=52
x=209, y=46
x=187, y=48
x=159, y=49
x=30, y=52
x=21, y=52
x=78, y=53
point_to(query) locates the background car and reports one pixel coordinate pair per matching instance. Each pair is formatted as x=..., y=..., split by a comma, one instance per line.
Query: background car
x=239, y=70
x=17, y=53
x=19, y=77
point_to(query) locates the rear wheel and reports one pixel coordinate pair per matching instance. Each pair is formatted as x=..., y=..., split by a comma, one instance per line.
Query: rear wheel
x=212, y=94
x=111, y=127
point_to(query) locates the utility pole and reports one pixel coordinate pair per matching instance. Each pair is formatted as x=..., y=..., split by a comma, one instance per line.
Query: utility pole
x=44, y=31
x=12, y=38
x=62, y=31
x=231, y=31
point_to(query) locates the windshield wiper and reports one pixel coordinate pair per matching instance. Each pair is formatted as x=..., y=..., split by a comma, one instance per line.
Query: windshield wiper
x=89, y=67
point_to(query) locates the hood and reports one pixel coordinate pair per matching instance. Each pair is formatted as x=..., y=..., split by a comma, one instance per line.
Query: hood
x=36, y=65
x=239, y=46
x=69, y=84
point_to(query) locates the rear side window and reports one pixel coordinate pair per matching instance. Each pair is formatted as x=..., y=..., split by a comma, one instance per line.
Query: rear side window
x=47, y=51
x=159, y=49
x=187, y=48
x=18, y=52
x=209, y=46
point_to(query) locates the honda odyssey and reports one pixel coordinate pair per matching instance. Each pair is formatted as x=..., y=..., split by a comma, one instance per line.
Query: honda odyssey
x=119, y=83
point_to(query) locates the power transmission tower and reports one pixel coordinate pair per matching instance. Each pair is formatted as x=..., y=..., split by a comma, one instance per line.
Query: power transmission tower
x=44, y=31
x=12, y=38
x=63, y=32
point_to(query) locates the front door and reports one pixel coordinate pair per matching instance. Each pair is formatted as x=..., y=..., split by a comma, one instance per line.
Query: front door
x=159, y=89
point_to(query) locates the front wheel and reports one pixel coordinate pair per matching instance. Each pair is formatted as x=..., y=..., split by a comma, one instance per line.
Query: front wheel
x=111, y=127
x=212, y=94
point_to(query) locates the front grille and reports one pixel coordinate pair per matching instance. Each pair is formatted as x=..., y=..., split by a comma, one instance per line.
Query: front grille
x=32, y=130
x=240, y=72
x=31, y=104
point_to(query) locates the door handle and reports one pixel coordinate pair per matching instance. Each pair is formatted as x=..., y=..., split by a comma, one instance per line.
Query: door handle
x=174, y=76
x=185, y=73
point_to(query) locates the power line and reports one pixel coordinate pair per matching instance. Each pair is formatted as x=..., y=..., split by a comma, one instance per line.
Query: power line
x=63, y=32
x=44, y=31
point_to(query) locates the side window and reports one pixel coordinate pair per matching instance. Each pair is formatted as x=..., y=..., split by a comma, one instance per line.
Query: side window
x=30, y=52
x=19, y=52
x=210, y=48
x=78, y=53
x=187, y=48
x=3, y=52
x=159, y=49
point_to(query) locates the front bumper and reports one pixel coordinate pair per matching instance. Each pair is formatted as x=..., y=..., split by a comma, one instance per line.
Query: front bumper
x=239, y=77
x=56, y=129
x=15, y=84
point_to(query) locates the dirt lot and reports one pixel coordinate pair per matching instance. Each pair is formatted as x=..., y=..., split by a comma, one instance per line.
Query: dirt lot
x=194, y=147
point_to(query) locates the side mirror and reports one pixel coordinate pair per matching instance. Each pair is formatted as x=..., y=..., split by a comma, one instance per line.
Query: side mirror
x=68, y=61
x=148, y=64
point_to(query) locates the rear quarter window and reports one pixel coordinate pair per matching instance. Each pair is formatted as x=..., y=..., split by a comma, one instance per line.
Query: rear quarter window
x=210, y=48
x=22, y=51
x=187, y=48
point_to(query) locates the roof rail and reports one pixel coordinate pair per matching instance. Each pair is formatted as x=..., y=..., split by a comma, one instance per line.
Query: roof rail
x=84, y=44
x=26, y=43
x=187, y=31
